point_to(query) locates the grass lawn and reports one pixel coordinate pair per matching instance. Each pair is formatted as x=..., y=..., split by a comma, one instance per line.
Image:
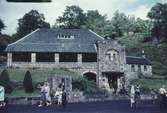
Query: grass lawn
x=151, y=83
x=21, y=93
x=39, y=75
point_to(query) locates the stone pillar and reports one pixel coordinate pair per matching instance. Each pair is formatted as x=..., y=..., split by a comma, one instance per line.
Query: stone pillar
x=33, y=58
x=79, y=59
x=56, y=58
x=9, y=59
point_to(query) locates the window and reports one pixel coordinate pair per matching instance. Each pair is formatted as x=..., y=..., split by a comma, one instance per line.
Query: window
x=89, y=57
x=112, y=55
x=68, y=57
x=45, y=57
x=21, y=57
x=133, y=68
x=65, y=36
x=145, y=68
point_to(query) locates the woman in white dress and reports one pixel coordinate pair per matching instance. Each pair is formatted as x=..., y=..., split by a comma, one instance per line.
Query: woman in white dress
x=47, y=94
x=132, y=96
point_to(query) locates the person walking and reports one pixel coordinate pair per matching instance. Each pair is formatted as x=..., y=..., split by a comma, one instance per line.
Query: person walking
x=64, y=99
x=42, y=96
x=153, y=95
x=47, y=94
x=132, y=97
x=162, y=92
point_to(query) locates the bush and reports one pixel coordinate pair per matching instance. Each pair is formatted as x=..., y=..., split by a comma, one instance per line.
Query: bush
x=89, y=88
x=79, y=84
x=28, y=83
x=5, y=81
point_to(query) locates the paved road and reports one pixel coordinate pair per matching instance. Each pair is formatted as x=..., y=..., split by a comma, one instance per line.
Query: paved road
x=92, y=107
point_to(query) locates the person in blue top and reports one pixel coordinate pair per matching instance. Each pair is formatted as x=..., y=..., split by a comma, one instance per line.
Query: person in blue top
x=2, y=96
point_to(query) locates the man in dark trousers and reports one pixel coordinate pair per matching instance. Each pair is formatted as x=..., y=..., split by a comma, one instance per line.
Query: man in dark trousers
x=64, y=99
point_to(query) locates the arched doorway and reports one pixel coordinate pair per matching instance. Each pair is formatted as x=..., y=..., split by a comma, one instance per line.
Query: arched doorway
x=90, y=76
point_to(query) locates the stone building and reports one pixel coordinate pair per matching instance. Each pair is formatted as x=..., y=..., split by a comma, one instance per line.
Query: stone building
x=80, y=50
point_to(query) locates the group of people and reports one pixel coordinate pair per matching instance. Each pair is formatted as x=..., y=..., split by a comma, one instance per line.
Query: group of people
x=46, y=96
x=160, y=95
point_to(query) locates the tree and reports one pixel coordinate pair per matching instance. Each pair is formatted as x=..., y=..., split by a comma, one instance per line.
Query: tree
x=2, y=26
x=73, y=17
x=28, y=83
x=5, y=81
x=97, y=22
x=143, y=26
x=158, y=14
x=118, y=22
x=30, y=22
x=4, y=41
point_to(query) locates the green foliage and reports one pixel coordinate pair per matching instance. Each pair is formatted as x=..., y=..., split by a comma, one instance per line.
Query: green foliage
x=28, y=83
x=40, y=75
x=17, y=92
x=147, y=84
x=79, y=84
x=122, y=25
x=97, y=22
x=4, y=41
x=5, y=81
x=2, y=26
x=30, y=22
x=73, y=17
x=88, y=87
x=158, y=14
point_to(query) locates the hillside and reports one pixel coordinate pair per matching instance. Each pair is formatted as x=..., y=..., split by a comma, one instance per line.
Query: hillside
x=156, y=52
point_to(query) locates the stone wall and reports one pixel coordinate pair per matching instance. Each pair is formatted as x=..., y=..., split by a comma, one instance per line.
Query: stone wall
x=106, y=52
x=135, y=74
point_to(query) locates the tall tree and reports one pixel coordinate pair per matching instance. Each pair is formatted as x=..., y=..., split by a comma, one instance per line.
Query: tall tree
x=158, y=14
x=143, y=26
x=118, y=22
x=73, y=17
x=29, y=22
x=2, y=26
x=97, y=22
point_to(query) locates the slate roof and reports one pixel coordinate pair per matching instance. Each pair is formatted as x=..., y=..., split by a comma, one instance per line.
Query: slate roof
x=137, y=60
x=46, y=40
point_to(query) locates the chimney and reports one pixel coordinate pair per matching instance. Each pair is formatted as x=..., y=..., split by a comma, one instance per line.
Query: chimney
x=143, y=54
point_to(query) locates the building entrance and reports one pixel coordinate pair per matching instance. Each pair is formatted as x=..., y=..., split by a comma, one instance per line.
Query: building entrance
x=114, y=80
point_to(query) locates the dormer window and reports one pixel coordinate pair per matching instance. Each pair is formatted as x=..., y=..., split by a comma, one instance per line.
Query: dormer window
x=65, y=36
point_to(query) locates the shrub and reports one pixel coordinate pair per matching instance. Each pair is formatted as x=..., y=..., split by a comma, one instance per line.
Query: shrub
x=89, y=88
x=79, y=84
x=5, y=81
x=28, y=83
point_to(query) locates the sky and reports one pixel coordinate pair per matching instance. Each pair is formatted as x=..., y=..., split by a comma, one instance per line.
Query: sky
x=11, y=12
